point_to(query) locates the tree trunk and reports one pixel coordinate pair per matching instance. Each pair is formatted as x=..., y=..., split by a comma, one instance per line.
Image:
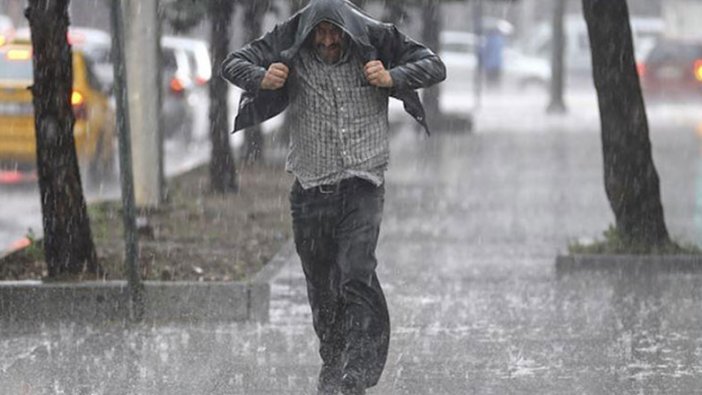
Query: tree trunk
x=253, y=19
x=431, y=27
x=68, y=244
x=631, y=180
x=223, y=178
x=557, y=104
x=253, y=144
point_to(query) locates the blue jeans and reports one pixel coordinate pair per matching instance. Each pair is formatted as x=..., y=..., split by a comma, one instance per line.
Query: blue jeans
x=336, y=232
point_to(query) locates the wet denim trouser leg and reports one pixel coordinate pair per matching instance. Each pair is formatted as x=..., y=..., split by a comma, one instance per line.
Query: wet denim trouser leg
x=336, y=235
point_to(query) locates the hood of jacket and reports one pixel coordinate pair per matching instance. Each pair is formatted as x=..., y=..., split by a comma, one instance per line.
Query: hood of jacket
x=342, y=13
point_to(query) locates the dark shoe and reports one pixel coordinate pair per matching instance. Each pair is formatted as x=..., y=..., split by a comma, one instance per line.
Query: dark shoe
x=329, y=381
x=351, y=385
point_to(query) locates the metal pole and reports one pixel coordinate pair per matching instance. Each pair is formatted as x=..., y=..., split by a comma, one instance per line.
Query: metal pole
x=159, y=98
x=136, y=288
x=558, y=70
x=478, y=29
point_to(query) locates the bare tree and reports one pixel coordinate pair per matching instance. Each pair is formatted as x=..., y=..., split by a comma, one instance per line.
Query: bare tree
x=631, y=180
x=431, y=29
x=254, y=11
x=223, y=177
x=68, y=243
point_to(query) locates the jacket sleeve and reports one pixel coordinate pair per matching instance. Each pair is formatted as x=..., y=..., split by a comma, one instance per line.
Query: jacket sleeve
x=247, y=66
x=413, y=65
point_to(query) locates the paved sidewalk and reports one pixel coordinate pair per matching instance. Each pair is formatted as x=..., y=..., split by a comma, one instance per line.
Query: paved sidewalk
x=472, y=227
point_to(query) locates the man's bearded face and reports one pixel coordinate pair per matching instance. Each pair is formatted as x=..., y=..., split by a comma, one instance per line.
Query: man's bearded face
x=328, y=41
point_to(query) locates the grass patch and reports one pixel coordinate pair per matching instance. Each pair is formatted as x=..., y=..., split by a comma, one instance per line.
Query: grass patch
x=194, y=236
x=614, y=244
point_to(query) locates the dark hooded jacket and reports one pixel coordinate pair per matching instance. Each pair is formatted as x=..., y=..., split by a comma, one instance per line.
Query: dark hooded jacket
x=411, y=64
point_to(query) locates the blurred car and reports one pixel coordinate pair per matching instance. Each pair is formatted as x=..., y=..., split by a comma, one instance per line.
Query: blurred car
x=94, y=117
x=673, y=70
x=96, y=45
x=578, y=63
x=526, y=71
x=93, y=43
x=200, y=71
x=7, y=30
x=179, y=72
x=198, y=55
x=458, y=51
x=177, y=87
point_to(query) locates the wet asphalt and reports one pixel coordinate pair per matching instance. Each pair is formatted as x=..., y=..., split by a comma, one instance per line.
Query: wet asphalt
x=473, y=224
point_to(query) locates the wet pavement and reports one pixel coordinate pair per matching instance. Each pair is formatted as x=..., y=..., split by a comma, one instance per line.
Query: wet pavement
x=472, y=226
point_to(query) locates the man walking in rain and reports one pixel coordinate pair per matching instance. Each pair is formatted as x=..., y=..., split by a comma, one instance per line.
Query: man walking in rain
x=333, y=67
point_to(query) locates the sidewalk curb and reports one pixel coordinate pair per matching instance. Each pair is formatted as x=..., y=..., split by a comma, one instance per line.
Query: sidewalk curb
x=629, y=264
x=26, y=302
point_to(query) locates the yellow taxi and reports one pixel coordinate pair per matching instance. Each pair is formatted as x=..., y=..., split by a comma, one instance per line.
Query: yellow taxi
x=94, y=116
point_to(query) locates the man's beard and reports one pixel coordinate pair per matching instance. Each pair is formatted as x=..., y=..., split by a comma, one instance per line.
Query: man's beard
x=329, y=53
